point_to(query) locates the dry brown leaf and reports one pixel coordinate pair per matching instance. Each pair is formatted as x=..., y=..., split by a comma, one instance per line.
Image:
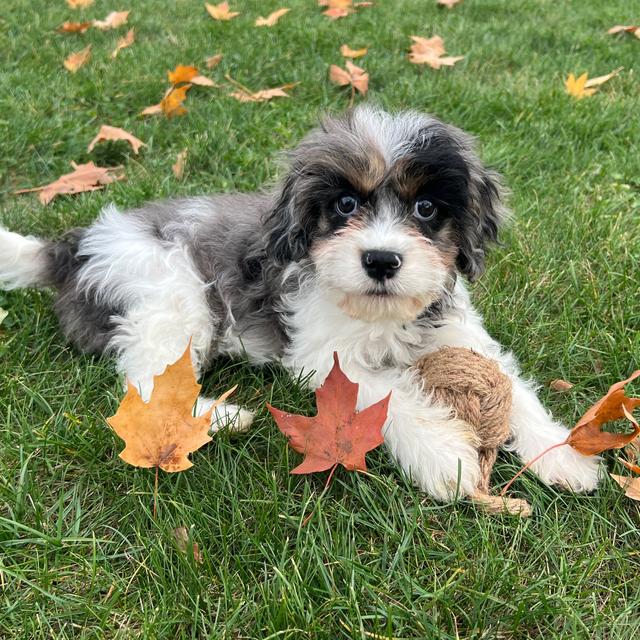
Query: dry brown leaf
x=178, y=167
x=560, y=385
x=171, y=104
x=272, y=18
x=221, y=11
x=73, y=27
x=163, y=432
x=348, y=52
x=78, y=59
x=124, y=42
x=341, y=8
x=630, y=485
x=449, y=3
x=355, y=76
x=619, y=28
x=430, y=51
x=587, y=436
x=214, y=61
x=581, y=87
x=245, y=95
x=84, y=177
x=79, y=4
x=115, y=133
x=181, y=536
x=114, y=20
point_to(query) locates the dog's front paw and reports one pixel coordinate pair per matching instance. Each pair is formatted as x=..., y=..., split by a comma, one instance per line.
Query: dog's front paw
x=569, y=469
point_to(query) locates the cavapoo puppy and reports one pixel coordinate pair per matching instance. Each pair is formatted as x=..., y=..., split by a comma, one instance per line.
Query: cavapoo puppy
x=360, y=249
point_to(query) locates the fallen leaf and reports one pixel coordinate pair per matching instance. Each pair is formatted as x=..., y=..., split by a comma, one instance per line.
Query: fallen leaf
x=619, y=28
x=78, y=59
x=245, y=95
x=178, y=167
x=449, y=3
x=272, y=18
x=430, y=51
x=630, y=485
x=79, y=4
x=73, y=27
x=560, y=385
x=171, y=105
x=338, y=434
x=341, y=8
x=190, y=74
x=587, y=436
x=221, y=11
x=84, y=177
x=355, y=76
x=114, y=20
x=348, y=52
x=163, y=432
x=632, y=467
x=181, y=536
x=124, y=42
x=115, y=133
x=3, y=315
x=213, y=61
x=581, y=87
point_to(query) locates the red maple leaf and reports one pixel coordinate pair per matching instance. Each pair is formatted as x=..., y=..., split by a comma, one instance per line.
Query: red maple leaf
x=338, y=434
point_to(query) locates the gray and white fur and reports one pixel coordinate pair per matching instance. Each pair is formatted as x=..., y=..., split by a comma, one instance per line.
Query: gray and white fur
x=361, y=249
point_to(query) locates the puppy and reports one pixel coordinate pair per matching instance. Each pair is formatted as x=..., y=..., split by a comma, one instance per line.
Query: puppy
x=360, y=249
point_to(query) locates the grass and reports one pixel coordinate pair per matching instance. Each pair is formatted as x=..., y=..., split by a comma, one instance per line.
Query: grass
x=81, y=555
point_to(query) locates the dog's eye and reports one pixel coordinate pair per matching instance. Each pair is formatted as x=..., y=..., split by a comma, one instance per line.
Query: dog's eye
x=346, y=205
x=425, y=210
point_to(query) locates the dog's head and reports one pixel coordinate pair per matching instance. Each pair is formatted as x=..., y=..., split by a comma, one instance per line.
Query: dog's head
x=388, y=208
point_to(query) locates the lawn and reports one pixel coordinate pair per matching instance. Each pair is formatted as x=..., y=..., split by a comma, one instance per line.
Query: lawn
x=81, y=554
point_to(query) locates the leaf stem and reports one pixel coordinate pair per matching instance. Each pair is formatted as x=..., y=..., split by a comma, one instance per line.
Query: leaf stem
x=326, y=486
x=155, y=493
x=526, y=466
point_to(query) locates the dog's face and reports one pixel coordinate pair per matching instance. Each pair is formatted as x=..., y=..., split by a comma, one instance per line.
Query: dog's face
x=388, y=209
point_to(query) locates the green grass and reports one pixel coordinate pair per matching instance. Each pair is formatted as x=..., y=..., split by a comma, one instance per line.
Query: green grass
x=81, y=555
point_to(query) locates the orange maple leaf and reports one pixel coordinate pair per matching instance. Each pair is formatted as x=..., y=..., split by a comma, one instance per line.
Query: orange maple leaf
x=354, y=76
x=78, y=59
x=338, y=434
x=221, y=11
x=430, y=51
x=114, y=20
x=84, y=177
x=124, y=42
x=183, y=73
x=171, y=105
x=115, y=133
x=163, y=432
x=272, y=18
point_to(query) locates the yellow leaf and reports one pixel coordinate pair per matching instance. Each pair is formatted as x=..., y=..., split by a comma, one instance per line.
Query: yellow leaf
x=272, y=18
x=348, y=52
x=220, y=11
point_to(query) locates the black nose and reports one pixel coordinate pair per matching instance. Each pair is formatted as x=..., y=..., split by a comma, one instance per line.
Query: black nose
x=381, y=264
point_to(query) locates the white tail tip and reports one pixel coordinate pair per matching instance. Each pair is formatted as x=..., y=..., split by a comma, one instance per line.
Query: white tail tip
x=22, y=262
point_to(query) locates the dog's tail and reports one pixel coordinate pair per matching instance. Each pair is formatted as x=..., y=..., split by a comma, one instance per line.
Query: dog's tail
x=23, y=261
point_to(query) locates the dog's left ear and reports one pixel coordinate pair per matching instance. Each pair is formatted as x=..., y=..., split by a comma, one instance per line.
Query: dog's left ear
x=485, y=214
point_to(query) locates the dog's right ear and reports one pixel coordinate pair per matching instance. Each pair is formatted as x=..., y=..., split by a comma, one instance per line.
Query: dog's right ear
x=287, y=239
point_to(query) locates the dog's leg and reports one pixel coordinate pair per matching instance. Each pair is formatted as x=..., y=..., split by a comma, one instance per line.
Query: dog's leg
x=533, y=428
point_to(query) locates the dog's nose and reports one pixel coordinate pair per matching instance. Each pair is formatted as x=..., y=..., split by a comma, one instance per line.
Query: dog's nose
x=380, y=265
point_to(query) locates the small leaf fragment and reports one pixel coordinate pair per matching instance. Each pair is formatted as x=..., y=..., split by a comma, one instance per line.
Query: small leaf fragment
x=449, y=3
x=348, y=52
x=171, y=105
x=78, y=59
x=115, y=133
x=220, y=11
x=272, y=18
x=214, y=61
x=124, y=42
x=74, y=27
x=3, y=315
x=244, y=95
x=114, y=20
x=178, y=166
x=181, y=536
x=560, y=385
x=79, y=4
x=626, y=28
